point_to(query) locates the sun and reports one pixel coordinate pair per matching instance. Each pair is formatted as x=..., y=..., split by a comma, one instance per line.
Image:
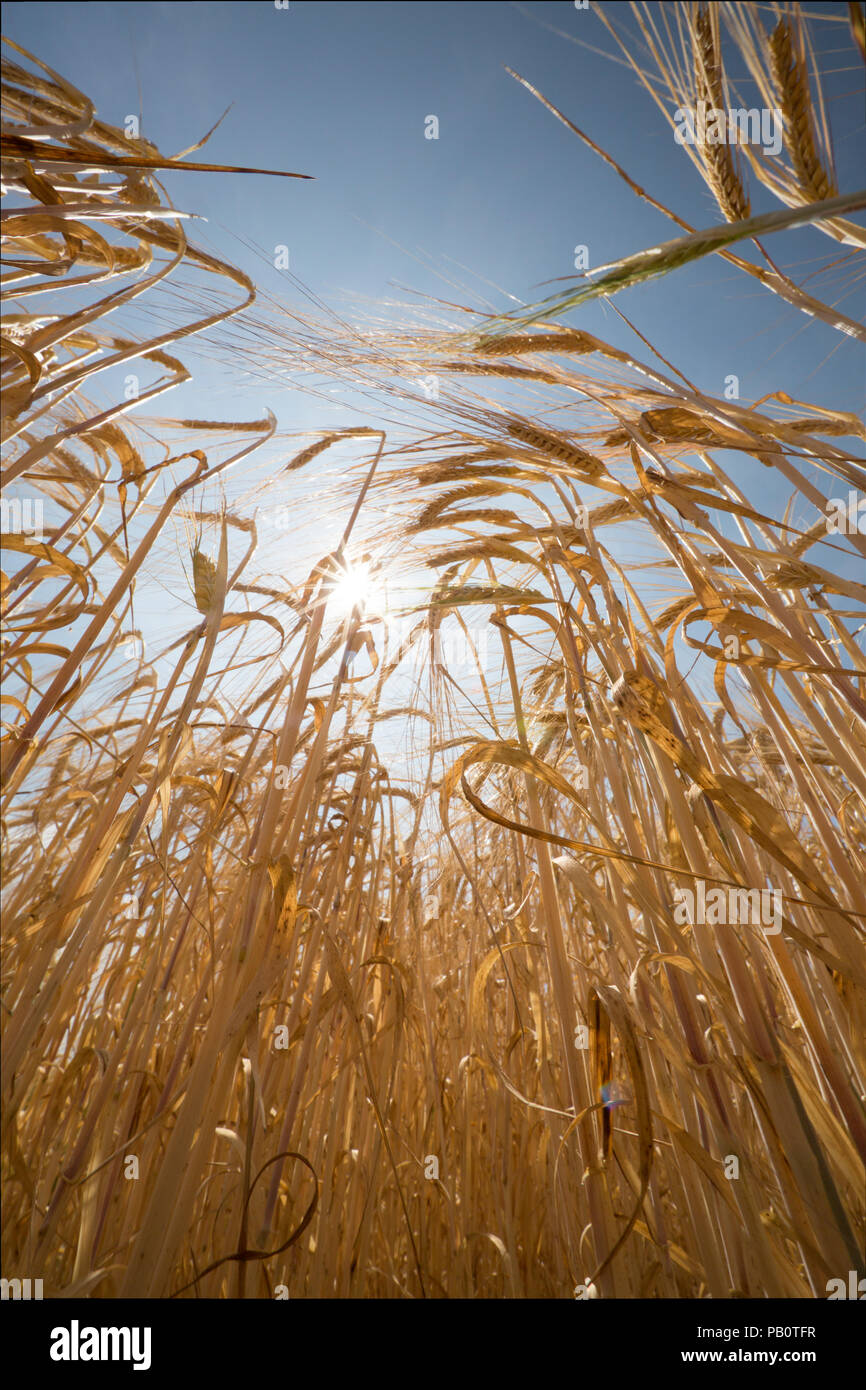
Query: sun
x=356, y=587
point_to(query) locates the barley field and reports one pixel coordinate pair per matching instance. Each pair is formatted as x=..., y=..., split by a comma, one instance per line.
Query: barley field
x=501, y=940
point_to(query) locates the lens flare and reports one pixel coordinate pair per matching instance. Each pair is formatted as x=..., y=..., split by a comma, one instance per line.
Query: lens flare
x=351, y=590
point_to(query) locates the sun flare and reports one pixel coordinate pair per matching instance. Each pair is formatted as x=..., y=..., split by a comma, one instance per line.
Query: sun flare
x=356, y=587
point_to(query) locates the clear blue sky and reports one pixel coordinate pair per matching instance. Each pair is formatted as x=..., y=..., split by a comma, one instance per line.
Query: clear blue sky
x=341, y=91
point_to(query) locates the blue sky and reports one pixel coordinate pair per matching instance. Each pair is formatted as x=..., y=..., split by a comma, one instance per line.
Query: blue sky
x=493, y=208
x=341, y=91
